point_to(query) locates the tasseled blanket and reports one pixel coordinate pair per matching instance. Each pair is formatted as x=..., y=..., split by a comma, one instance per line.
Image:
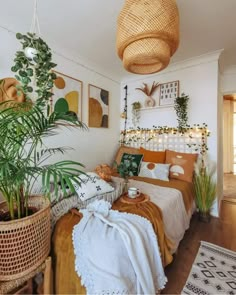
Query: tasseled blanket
x=117, y=253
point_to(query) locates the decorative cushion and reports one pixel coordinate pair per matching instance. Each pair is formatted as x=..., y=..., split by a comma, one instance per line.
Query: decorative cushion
x=182, y=165
x=91, y=185
x=125, y=149
x=104, y=171
x=155, y=170
x=153, y=156
x=136, y=160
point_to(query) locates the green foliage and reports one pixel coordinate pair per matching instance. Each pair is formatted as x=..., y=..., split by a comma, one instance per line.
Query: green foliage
x=136, y=106
x=24, y=155
x=181, y=109
x=204, y=188
x=127, y=168
x=23, y=126
x=34, y=70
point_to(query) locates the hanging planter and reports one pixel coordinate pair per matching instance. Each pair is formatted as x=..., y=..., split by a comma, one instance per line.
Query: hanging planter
x=147, y=35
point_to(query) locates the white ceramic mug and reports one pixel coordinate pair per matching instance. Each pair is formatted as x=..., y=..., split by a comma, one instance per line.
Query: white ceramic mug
x=133, y=192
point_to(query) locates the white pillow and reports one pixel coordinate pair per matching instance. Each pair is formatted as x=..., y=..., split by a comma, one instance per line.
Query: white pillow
x=91, y=185
x=155, y=170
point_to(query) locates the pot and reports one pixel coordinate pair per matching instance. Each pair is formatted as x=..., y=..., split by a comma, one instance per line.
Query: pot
x=204, y=216
x=25, y=242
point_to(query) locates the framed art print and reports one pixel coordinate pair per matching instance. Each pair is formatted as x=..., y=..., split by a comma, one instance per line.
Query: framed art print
x=67, y=95
x=168, y=92
x=98, y=107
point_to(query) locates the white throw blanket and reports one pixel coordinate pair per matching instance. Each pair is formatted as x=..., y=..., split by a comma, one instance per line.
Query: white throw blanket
x=116, y=253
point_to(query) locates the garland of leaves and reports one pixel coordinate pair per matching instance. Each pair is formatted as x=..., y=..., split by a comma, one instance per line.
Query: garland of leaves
x=181, y=108
x=34, y=70
x=135, y=135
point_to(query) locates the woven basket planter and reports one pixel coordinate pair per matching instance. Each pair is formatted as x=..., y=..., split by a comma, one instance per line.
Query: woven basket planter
x=147, y=34
x=25, y=242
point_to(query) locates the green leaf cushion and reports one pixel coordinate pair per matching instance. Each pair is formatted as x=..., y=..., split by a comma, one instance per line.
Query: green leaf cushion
x=131, y=163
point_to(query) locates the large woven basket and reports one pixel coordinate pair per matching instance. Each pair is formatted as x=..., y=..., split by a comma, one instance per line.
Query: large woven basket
x=147, y=34
x=25, y=242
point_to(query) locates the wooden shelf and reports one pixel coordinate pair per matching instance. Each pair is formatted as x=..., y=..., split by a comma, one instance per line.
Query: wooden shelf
x=157, y=107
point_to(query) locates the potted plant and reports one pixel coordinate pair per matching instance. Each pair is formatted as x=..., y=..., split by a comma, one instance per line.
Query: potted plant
x=126, y=168
x=136, y=106
x=205, y=189
x=181, y=109
x=149, y=101
x=24, y=159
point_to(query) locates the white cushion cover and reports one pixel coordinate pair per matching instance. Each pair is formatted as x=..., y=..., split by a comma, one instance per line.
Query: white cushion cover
x=91, y=185
x=155, y=170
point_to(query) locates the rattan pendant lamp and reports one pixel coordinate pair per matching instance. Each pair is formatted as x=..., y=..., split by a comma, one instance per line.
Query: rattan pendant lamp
x=147, y=34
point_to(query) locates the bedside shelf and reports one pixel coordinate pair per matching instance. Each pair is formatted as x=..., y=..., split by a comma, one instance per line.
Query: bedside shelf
x=157, y=107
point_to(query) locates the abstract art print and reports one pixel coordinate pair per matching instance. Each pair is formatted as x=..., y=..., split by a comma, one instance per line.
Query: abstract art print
x=98, y=107
x=67, y=96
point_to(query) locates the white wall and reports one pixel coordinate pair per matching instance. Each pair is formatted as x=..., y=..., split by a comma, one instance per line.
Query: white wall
x=199, y=79
x=92, y=147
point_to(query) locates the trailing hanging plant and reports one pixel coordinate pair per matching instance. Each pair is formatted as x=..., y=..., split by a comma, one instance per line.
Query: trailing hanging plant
x=181, y=109
x=33, y=67
x=136, y=106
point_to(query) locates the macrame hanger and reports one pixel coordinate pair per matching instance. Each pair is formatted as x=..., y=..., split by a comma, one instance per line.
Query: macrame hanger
x=35, y=21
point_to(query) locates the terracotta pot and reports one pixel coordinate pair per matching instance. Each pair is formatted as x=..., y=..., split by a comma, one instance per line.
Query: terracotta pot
x=204, y=216
x=25, y=242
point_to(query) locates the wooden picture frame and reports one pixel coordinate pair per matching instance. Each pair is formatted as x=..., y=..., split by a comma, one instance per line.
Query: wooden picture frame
x=98, y=106
x=168, y=92
x=67, y=91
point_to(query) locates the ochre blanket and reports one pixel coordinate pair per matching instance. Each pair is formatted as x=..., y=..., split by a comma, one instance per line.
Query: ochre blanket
x=66, y=280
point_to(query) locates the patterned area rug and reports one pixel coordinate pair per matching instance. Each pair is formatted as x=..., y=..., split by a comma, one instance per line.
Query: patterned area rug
x=213, y=271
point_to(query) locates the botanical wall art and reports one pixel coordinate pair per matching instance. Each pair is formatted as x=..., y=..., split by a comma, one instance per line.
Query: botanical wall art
x=98, y=107
x=168, y=92
x=67, y=95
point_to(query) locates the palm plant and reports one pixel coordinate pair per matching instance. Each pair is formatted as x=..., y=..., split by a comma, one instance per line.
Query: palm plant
x=204, y=187
x=24, y=155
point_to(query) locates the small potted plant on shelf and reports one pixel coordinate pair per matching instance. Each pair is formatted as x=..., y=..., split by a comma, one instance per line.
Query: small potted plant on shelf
x=136, y=106
x=205, y=189
x=24, y=158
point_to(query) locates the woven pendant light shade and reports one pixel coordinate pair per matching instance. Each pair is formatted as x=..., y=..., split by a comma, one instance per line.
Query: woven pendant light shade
x=147, y=34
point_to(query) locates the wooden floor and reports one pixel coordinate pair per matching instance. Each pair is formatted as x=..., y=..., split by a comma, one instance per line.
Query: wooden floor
x=220, y=231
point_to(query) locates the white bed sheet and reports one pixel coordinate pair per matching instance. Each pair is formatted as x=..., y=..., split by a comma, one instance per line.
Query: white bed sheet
x=170, y=201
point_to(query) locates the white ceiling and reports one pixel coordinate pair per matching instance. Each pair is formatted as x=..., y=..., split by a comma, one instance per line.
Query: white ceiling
x=86, y=29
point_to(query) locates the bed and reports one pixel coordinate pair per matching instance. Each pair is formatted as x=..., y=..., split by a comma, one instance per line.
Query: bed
x=169, y=210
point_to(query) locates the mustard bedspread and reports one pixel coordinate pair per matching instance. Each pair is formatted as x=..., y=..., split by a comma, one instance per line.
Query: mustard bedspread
x=66, y=280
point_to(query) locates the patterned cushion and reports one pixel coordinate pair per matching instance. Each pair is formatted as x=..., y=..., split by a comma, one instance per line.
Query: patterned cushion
x=136, y=159
x=153, y=156
x=182, y=165
x=155, y=170
x=125, y=149
x=91, y=185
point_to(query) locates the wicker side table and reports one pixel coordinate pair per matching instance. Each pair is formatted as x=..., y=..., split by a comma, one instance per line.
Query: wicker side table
x=9, y=286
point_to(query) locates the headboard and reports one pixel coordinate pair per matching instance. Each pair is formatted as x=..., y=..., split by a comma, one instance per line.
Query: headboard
x=188, y=140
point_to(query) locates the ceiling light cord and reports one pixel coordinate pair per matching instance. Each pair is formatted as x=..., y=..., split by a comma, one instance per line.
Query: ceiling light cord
x=35, y=28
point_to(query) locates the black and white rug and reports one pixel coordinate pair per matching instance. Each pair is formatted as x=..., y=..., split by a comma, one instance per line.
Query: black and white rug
x=213, y=271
